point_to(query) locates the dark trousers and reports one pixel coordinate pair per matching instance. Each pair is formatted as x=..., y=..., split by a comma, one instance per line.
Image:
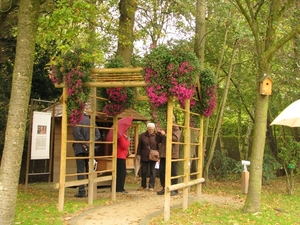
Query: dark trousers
x=144, y=171
x=162, y=172
x=82, y=166
x=121, y=174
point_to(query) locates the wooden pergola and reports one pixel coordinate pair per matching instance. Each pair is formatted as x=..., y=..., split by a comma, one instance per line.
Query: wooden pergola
x=132, y=77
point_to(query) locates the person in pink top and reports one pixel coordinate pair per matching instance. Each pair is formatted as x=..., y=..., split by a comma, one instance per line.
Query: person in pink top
x=122, y=151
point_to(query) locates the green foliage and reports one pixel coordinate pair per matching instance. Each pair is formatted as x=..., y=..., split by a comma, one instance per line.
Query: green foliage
x=136, y=61
x=289, y=156
x=115, y=62
x=40, y=75
x=289, y=152
x=5, y=87
x=222, y=166
x=67, y=22
x=72, y=23
x=270, y=166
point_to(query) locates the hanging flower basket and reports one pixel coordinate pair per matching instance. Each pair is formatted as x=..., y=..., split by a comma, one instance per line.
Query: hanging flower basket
x=170, y=71
x=118, y=98
x=72, y=69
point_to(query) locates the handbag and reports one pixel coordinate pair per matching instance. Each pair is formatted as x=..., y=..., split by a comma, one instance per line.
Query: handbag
x=153, y=155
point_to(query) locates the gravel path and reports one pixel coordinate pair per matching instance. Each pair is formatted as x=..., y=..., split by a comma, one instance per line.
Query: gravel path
x=137, y=207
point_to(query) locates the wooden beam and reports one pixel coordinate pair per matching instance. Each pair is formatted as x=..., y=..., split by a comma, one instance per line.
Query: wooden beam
x=111, y=84
x=116, y=70
x=185, y=185
x=141, y=98
x=84, y=181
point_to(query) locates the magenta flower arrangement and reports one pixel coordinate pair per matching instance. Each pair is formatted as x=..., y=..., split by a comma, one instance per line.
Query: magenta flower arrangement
x=170, y=71
x=118, y=98
x=72, y=69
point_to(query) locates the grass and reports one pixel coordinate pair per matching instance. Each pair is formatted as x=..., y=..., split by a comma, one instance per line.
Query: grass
x=39, y=206
x=276, y=207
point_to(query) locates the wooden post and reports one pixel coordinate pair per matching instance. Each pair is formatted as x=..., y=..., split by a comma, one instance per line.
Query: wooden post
x=245, y=182
x=92, y=191
x=29, y=146
x=187, y=150
x=200, y=159
x=168, y=158
x=114, y=159
x=52, y=145
x=63, y=154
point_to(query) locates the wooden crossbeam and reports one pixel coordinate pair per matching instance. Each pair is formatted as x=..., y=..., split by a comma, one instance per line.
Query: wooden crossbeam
x=117, y=75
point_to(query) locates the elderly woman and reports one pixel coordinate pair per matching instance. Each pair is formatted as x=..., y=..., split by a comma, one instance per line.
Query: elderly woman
x=147, y=141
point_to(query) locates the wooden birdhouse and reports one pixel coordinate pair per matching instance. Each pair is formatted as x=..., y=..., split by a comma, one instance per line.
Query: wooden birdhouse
x=265, y=85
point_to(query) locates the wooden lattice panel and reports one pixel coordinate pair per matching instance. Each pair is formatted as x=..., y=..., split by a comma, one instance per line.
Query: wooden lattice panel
x=117, y=75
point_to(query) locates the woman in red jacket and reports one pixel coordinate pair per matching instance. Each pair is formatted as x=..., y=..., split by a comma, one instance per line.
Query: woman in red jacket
x=122, y=151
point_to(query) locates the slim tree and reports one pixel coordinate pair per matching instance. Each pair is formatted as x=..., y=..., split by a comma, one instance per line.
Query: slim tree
x=263, y=18
x=18, y=107
x=200, y=30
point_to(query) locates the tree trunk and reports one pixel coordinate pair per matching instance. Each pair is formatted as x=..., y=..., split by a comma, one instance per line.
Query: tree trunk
x=18, y=108
x=127, y=10
x=222, y=143
x=252, y=203
x=200, y=30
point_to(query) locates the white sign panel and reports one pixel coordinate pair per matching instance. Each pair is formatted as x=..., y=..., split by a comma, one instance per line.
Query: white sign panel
x=40, y=138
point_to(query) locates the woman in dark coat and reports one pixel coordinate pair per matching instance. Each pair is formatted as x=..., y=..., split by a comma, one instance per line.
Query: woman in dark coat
x=176, y=135
x=147, y=141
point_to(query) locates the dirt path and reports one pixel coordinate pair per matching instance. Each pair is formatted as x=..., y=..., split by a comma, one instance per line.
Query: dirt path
x=137, y=207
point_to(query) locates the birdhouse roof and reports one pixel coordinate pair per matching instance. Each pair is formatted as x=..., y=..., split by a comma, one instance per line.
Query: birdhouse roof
x=265, y=78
